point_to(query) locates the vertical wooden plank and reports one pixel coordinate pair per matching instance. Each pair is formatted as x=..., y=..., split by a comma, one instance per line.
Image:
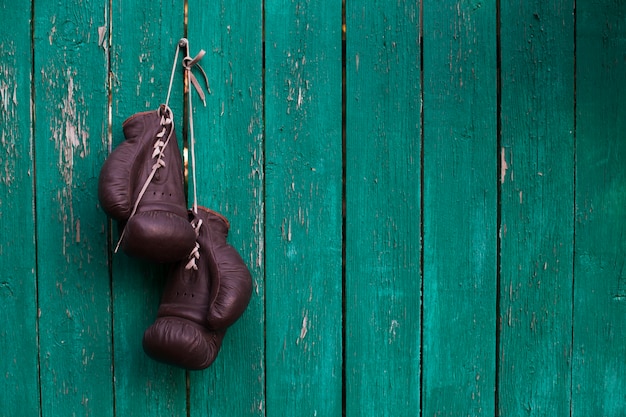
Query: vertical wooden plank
x=599, y=369
x=143, y=44
x=383, y=279
x=70, y=144
x=18, y=291
x=229, y=159
x=460, y=208
x=537, y=206
x=304, y=207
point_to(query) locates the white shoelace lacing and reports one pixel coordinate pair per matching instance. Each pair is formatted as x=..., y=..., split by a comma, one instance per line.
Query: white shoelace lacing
x=195, y=252
x=158, y=154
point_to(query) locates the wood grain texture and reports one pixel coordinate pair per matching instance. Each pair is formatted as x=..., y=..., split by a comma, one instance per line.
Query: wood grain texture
x=383, y=282
x=18, y=290
x=303, y=208
x=460, y=208
x=143, y=39
x=599, y=369
x=229, y=159
x=537, y=230
x=70, y=76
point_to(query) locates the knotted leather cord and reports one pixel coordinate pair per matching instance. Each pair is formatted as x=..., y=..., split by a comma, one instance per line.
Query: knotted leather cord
x=169, y=89
x=188, y=64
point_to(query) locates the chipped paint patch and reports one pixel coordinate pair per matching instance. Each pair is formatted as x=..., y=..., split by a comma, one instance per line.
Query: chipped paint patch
x=297, y=86
x=257, y=175
x=503, y=166
x=304, y=329
x=69, y=130
x=53, y=30
x=70, y=134
x=102, y=31
x=9, y=129
x=392, y=330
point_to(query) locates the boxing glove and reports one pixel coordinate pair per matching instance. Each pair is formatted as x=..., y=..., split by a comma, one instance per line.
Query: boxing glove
x=202, y=297
x=141, y=186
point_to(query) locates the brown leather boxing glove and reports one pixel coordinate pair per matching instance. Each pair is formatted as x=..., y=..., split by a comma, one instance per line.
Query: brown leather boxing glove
x=203, y=296
x=141, y=186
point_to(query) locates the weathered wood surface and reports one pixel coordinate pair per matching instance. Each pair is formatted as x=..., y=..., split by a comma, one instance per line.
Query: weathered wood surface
x=19, y=382
x=382, y=254
x=599, y=328
x=430, y=198
x=303, y=208
x=537, y=206
x=460, y=209
x=70, y=130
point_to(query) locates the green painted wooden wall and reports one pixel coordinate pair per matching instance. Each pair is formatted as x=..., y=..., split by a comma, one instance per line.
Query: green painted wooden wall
x=431, y=198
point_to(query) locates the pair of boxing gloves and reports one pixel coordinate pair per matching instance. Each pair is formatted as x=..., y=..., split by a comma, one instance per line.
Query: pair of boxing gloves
x=208, y=287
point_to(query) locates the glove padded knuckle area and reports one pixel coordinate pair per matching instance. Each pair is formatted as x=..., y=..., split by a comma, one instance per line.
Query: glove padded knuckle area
x=159, y=235
x=181, y=343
